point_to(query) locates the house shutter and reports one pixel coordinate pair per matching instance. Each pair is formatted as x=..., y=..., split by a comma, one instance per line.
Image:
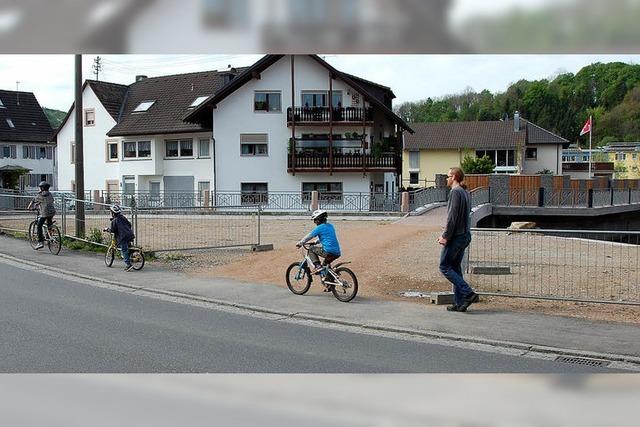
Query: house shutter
x=254, y=138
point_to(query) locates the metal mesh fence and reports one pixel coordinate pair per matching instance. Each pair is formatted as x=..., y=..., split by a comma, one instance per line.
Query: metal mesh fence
x=598, y=266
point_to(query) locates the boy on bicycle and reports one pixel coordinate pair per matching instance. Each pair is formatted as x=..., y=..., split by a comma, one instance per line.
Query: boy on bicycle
x=121, y=229
x=329, y=249
x=44, y=204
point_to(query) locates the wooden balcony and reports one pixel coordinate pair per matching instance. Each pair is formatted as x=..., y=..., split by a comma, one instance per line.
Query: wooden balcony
x=347, y=162
x=338, y=115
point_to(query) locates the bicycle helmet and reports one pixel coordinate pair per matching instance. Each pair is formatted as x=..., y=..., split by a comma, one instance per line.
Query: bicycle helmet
x=44, y=185
x=115, y=209
x=319, y=215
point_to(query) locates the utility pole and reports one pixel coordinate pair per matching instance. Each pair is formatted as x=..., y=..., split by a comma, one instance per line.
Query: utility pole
x=80, y=218
x=97, y=66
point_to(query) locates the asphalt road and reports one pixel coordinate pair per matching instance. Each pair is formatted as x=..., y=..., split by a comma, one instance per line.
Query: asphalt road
x=51, y=324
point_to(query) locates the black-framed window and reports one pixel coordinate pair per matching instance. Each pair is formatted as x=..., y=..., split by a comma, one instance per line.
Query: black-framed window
x=531, y=153
x=319, y=98
x=112, y=151
x=254, y=193
x=267, y=101
x=414, y=178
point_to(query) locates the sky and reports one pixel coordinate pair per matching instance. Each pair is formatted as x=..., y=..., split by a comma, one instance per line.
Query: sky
x=411, y=77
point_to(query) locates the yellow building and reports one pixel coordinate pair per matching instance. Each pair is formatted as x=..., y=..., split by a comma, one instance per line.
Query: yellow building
x=515, y=146
x=626, y=159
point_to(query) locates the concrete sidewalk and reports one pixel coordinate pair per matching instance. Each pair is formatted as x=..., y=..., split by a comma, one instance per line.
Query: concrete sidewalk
x=481, y=324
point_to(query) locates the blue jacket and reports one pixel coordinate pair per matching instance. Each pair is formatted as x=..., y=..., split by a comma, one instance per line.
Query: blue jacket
x=327, y=235
x=121, y=228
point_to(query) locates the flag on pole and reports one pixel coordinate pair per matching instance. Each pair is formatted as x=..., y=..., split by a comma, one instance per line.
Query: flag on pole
x=587, y=127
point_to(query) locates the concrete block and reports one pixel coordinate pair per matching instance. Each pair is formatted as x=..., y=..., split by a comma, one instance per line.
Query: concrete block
x=522, y=225
x=262, y=248
x=491, y=269
x=441, y=298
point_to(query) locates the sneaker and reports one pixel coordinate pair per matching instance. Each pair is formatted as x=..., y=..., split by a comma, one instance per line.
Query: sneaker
x=128, y=267
x=455, y=308
x=468, y=300
x=40, y=245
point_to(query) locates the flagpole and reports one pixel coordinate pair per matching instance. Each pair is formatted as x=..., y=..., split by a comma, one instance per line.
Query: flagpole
x=590, y=151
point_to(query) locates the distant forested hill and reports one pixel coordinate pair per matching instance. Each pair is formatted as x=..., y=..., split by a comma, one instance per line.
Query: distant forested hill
x=55, y=116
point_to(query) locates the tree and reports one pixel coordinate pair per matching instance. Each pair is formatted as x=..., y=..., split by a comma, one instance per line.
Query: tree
x=479, y=165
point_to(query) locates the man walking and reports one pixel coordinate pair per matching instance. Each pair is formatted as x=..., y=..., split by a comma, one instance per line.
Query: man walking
x=455, y=239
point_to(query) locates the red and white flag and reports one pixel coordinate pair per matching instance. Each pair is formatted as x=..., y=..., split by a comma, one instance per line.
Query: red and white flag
x=586, y=128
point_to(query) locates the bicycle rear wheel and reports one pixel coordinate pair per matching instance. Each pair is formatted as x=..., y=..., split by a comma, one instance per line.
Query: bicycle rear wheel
x=137, y=258
x=109, y=256
x=33, y=234
x=347, y=286
x=55, y=240
x=298, y=279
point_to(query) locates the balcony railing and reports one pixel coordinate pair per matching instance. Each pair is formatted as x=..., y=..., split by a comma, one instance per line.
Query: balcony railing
x=336, y=114
x=321, y=161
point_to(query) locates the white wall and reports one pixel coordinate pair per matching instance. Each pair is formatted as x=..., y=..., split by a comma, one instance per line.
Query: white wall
x=36, y=166
x=549, y=157
x=235, y=115
x=97, y=169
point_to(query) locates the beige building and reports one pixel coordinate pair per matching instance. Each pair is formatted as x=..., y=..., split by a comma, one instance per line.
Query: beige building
x=515, y=146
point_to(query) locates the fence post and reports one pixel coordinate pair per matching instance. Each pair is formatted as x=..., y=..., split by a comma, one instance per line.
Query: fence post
x=134, y=213
x=629, y=190
x=64, y=221
x=611, y=194
x=205, y=196
x=314, y=200
x=541, y=197
x=590, y=198
x=404, y=206
x=259, y=209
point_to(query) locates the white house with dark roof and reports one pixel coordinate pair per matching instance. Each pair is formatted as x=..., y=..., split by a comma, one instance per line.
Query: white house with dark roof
x=26, y=155
x=268, y=128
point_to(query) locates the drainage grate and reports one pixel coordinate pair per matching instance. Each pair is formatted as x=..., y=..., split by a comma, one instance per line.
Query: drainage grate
x=582, y=361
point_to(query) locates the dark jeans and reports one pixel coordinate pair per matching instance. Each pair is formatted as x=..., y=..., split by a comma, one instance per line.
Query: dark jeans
x=451, y=265
x=49, y=220
x=124, y=247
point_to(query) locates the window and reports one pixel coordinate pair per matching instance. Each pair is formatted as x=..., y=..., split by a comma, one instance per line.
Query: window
x=73, y=152
x=143, y=106
x=136, y=149
x=253, y=193
x=326, y=190
x=129, y=184
x=621, y=156
x=202, y=187
x=203, y=148
x=414, y=160
x=414, y=178
x=8, y=151
x=267, y=101
x=175, y=148
x=531, y=154
x=199, y=100
x=10, y=123
x=254, y=144
x=585, y=158
x=634, y=156
x=112, y=151
x=1, y=104
x=319, y=98
x=499, y=157
x=89, y=117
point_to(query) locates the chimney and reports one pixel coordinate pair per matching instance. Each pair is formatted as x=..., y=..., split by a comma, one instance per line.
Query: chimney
x=140, y=77
x=516, y=122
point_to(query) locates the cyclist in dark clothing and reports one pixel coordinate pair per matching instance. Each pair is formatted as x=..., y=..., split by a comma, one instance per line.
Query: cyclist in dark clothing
x=121, y=228
x=44, y=203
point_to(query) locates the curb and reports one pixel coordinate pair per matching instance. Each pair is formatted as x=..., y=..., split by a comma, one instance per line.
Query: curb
x=511, y=345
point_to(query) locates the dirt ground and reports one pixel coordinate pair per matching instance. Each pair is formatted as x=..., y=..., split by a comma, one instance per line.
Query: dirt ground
x=389, y=258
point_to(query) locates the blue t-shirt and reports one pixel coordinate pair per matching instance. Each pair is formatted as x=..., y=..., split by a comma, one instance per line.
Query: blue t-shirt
x=327, y=235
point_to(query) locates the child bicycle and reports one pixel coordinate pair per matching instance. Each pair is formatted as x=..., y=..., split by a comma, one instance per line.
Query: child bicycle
x=339, y=280
x=136, y=254
x=51, y=234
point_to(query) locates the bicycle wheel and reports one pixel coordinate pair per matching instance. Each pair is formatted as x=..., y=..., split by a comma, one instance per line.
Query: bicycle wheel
x=55, y=240
x=109, y=256
x=298, y=279
x=348, y=287
x=33, y=234
x=137, y=258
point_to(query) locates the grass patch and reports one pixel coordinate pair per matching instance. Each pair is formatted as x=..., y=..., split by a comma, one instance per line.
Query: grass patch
x=82, y=246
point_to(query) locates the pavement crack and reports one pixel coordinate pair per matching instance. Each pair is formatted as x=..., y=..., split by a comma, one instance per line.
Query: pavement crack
x=288, y=316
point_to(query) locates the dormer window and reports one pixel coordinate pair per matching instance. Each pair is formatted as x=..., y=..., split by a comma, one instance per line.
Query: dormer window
x=144, y=106
x=1, y=104
x=199, y=100
x=10, y=123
